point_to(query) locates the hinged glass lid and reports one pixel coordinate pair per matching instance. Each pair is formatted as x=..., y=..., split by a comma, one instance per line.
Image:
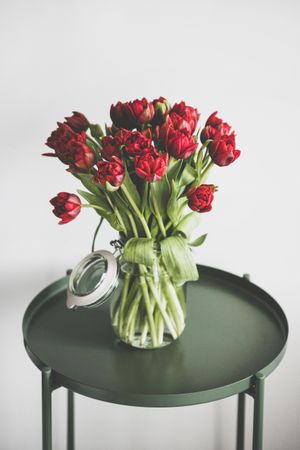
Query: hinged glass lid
x=93, y=280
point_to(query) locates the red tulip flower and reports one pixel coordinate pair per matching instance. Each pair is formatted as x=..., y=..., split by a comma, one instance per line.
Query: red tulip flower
x=136, y=143
x=131, y=114
x=120, y=117
x=208, y=132
x=222, y=150
x=121, y=136
x=189, y=114
x=70, y=148
x=141, y=111
x=216, y=123
x=78, y=155
x=214, y=127
x=78, y=122
x=178, y=123
x=66, y=206
x=200, y=198
x=112, y=171
x=151, y=166
x=62, y=135
x=109, y=148
x=179, y=144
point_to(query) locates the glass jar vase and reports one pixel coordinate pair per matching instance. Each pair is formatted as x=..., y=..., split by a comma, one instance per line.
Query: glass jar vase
x=148, y=310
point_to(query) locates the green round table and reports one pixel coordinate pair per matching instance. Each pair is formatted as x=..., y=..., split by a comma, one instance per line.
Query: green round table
x=235, y=336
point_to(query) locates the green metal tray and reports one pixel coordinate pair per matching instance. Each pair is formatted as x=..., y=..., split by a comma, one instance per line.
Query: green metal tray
x=234, y=330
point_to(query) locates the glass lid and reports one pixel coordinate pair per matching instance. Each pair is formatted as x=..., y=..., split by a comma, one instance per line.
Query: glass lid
x=93, y=280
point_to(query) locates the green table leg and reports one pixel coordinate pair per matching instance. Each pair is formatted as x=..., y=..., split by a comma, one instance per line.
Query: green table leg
x=241, y=422
x=70, y=437
x=46, y=408
x=258, y=412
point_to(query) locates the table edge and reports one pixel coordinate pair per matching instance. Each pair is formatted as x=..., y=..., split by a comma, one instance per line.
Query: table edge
x=162, y=400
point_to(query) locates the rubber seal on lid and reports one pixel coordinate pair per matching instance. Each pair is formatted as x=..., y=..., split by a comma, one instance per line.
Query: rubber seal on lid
x=93, y=280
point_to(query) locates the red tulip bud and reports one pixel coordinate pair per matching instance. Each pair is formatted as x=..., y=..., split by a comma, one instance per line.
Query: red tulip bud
x=78, y=122
x=200, y=198
x=161, y=110
x=66, y=206
x=120, y=117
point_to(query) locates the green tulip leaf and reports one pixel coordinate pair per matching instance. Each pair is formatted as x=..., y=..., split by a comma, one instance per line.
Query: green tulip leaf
x=172, y=203
x=174, y=169
x=96, y=131
x=178, y=259
x=86, y=180
x=110, y=187
x=103, y=208
x=188, y=175
x=139, y=251
x=131, y=188
x=188, y=224
x=98, y=199
x=162, y=192
x=199, y=241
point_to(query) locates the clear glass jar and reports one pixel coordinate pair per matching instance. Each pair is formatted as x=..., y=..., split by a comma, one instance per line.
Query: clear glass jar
x=148, y=310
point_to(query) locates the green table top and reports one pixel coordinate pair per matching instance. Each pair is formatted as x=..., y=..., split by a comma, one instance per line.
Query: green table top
x=234, y=330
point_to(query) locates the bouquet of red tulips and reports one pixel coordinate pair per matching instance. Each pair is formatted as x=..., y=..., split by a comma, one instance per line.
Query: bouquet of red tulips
x=146, y=176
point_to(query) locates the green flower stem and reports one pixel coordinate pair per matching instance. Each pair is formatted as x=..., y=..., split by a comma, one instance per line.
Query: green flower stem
x=115, y=209
x=131, y=293
x=162, y=309
x=116, y=317
x=93, y=141
x=145, y=326
x=168, y=226
x=132, y=223
x=157, y=317
x=172, y=160
x=136, y=210
x=145, y=196
x=131, y=331
x=123, y=303
x=205, y=159
x=96, y=233
x=205, y=171
x=157, y=213
x=174, y=305
x=132, y=313
x=89, y=205
x=144, y=331
x=117, y=213
x=176, y=301
x=160, y=327
x=199, y=160
x=147, y=301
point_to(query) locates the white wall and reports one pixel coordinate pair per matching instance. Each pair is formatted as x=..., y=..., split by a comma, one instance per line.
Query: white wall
x=241, y=58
